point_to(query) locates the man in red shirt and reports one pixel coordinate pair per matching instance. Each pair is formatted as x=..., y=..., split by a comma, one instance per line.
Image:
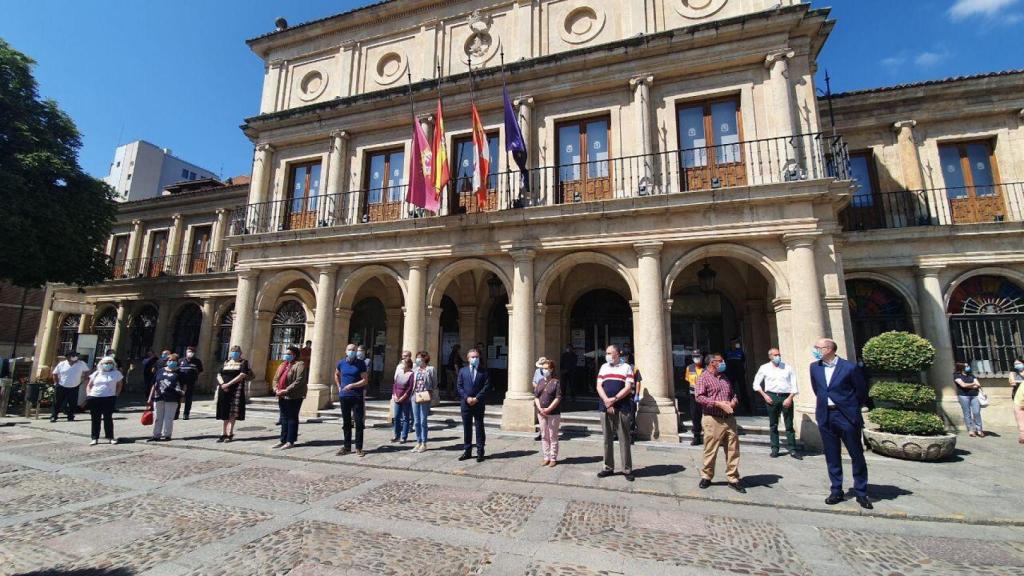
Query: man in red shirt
x=718, y=400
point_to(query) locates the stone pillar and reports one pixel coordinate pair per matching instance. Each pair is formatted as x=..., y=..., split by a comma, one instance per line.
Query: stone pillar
x=220, y=231
x=205, y=344
x=342, y=322
x=467, y=328
x=433, y=338
x=935, y=326
x=337, y=170
x=162, y=335
x=320, y=378
x=641, y=86
x=805, y=318
x=517, y=414
x=118, y=340
x=415, y=306
x=657, y=418
x=524, y=109
x=780, y=94
x=172, y=261
x=44, y=361
x=85, y=323
x=259, y=187
x=933, y=202
x=134, y=249
x=245, y=300
x=260, y=353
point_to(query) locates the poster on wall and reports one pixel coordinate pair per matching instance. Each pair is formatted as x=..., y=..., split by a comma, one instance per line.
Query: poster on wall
x=579, y=339
x=679, y=355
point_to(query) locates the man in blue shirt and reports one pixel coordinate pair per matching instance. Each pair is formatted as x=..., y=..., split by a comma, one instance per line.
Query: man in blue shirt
x=350, y=378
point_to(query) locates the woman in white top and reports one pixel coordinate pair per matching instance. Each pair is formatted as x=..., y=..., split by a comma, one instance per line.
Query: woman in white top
x=101, y=392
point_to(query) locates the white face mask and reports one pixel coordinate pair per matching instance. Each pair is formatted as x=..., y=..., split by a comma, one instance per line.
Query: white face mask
x=546, y=373
x=608, y=358
x=189, y=354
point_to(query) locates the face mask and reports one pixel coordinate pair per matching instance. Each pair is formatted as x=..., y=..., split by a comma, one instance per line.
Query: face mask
x=697, y=361
x=860, y=363
x=474, y=362
x=736, y=346
x=608, y=358
x=361, y=355
x=73, y=359
x=173, y=365
x=545, y=372
x=236, y=355
x=816, y=353
x=107, y=367
x=1018, y=366
x=721, y=367
x=968, y=370
x=289, y=357
x=418, y=362
x=189, y=355
x=776, y=359
x=350, y=354
x=164, y=356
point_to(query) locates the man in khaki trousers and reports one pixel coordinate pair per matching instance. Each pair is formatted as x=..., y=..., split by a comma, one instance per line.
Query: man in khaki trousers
x=718, y=399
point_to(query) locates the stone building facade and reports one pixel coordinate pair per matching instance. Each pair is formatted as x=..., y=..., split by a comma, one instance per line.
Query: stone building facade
x=685, y=189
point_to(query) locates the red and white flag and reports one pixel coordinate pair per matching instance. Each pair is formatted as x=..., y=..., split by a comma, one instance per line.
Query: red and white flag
x=421, y=172
x=481, y=160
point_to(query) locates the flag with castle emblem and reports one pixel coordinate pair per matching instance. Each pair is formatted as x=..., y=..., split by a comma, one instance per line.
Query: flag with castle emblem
x=442, y=174
x=422, y=192
x=481, y=159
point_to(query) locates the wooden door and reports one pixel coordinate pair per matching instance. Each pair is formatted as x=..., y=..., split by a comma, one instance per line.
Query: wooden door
x=157, y=253
x=120, y=256
x=463, y=196
x=199, y=258
x=303, y=196
x=710, y=145
x=865, y=209
x=584, y=168
x=972, y=182
x=385, y=174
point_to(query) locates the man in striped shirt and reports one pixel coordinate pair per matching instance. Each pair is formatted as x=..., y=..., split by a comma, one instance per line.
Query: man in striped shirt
x=615, y=387
x=717, y=398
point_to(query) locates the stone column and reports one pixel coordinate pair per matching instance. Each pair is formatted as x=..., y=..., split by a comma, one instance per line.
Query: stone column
x=524, y=109
x=220, y=231
x=342, y=322
x=320, y=378
x=172, y=260
x=245, y=300
x=656, y=418
x=644, y=167
x=780, y=94
x=162, y=335
x=912, y=171
x=467, y=328
x=134, y=249
x=337, y=170
x=433, y=338
x=118, y=340
x=805, y=317
x=85, y=323
x=936, y=329
x=205, y=343
x=415, y=306
x=517, y=414
x=260, y=353
x=257, y=218
x=44, y=361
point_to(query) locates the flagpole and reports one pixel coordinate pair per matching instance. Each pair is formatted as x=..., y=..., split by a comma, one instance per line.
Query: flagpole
x=412, y=112
x=504, y=92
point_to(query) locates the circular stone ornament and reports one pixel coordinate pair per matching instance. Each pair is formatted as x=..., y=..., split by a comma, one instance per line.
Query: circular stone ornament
x=390, y=68
x=697, y=9
x=313, y=84
x=582, y=24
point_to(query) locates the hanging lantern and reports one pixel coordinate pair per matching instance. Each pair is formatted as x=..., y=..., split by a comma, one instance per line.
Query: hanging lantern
x=494, y=286
x=706, y=278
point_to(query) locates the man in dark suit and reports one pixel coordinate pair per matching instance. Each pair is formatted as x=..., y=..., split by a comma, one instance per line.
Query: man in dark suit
x=840, y=390
x=472, y=387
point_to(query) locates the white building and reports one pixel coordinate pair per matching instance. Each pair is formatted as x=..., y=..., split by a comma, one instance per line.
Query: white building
x=142, y=170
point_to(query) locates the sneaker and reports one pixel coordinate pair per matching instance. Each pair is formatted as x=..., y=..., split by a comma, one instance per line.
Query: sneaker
x=360, y=453
x=605, y=473
x=343, y=452
x=221, y=439
x=774, y=454
x=277, y=446
x=402, y=441
x=795, y=455
x=704, y=483
x=94, y=442
x=113, y=440
x=423, y=447
x=288, y=445
x=395, y=439
x=629, y=477
x=152, y=439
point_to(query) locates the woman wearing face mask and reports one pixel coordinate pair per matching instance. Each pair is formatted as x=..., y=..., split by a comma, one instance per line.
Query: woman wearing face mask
x=101, y=391
x=548, y=400
x=231, y=392
x=401, y=395
x=967, y=387
x=424, y=384
x=164, y=399
x=1017, y=394
x=290, y=387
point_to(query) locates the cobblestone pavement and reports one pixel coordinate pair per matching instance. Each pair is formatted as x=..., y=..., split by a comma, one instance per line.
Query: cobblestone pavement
x=194, y=507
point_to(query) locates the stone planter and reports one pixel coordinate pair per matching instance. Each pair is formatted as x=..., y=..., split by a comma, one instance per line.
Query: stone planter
x=922, y=448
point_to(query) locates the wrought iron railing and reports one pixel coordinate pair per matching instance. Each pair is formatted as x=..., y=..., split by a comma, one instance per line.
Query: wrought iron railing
x=907, y=208
x=752, y=163
x=899, y=209
x=188, y=264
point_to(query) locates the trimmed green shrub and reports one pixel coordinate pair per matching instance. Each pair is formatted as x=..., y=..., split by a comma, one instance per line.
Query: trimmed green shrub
x=907, y=422
x=898, y=353
x=904, y=395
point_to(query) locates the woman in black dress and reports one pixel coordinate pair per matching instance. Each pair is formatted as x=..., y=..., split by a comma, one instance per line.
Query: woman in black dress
x=231, y=395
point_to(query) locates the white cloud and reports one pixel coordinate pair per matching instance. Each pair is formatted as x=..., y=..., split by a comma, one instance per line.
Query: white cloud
x=963, y=9
x=893, y=62
x=929, y=58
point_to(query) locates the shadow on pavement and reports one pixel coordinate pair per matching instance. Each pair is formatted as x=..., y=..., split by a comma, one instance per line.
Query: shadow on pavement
x=761, y=480
x=885, y=492
x=658, y=470
x=580, y=460
x=510, y=454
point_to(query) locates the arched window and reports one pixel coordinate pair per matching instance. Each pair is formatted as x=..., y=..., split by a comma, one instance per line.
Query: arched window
x=104, y=329
x=287, y=328
x=875, y=308
x=186, y=328
x=986, y=322
x=227, y=320
x=69, y=333
x=143, y=330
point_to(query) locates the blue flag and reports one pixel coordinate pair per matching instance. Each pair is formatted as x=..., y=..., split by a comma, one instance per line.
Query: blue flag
x=514, y=141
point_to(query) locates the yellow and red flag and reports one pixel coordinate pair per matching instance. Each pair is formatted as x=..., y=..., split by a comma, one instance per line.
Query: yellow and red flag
x=481, y=160
x=442, y=174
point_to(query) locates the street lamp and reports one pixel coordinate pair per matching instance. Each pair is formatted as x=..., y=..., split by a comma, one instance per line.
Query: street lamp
x=706, y=278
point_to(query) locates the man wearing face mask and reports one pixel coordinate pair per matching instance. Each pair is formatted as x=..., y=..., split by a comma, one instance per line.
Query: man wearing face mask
x=615, y=387
x=718, y=399
x=775, y=381
x=840, y=391
x=67, y=377
x=692, y=374
x=351, y=378
x=472, y=386
x=189, y=370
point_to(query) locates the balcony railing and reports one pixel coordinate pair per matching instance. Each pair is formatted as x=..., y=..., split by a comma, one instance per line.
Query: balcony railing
x=188, y=264
x=752, y=163
x=907, y=208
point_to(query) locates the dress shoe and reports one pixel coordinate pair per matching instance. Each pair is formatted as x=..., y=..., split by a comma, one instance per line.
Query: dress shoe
x=704, y=483
x=343, y=452
x=221, y=439
x=833, y=499
x=696, y=442
x=864, y=502
x=480, y=457
x=605, y=473
x=277, y=446
x=465, y=456
x=775, y=453
x=737, y=487
x=629, y=477
x=537, y=437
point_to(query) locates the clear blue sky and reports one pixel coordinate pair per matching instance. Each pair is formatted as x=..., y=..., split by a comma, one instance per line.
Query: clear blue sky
x=178, y=72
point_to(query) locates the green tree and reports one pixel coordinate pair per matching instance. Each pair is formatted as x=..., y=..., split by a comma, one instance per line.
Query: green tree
x=54, y=218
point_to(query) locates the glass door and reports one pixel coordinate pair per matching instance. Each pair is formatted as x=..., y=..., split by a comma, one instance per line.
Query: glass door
x=157, y=253
x=584, y=171
x=199, y=259
x=385, y=175
x=972, y=182
x=304, y=196
x=710, y=153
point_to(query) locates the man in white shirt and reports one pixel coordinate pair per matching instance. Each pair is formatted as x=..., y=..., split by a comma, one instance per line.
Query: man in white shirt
x=67, y=377
x=775, y=381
